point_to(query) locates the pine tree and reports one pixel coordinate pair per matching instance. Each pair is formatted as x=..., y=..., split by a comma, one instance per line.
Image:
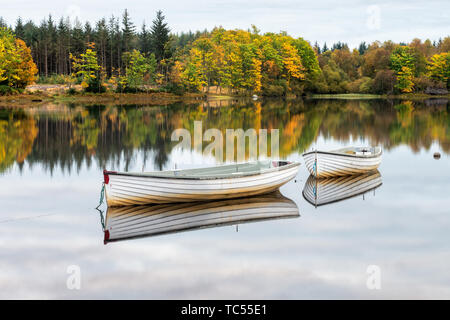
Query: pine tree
x=78, y=44
x=317, y=47
x=51, y=41
x=19, y=29
x=101, y=39
x=88, y=32
x=3, y=23
x=159, y=36
x=62, y=44
x=111, y=39
x=128, y=29
x=144, y=39
x=362, y=48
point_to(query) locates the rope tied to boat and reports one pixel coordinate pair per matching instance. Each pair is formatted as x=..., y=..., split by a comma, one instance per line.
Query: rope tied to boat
x=315, y=164
x=102, y=196
x=102, y=219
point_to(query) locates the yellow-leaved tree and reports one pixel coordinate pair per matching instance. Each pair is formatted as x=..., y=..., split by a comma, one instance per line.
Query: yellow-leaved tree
x=88, y=70
x=17, y=69
x=247, y=62
x=292, y=62
x=439, y=67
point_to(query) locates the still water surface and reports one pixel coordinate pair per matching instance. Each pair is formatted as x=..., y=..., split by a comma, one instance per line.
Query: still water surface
x=51, y=162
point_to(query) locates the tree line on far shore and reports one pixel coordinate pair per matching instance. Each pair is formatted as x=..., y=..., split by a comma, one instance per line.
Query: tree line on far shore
x=113, y=55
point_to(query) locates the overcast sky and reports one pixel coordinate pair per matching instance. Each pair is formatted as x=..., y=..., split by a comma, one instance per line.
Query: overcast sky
x=350, y=21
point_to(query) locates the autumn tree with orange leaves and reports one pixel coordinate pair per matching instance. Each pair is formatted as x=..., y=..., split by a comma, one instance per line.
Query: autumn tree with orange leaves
x=17, y=68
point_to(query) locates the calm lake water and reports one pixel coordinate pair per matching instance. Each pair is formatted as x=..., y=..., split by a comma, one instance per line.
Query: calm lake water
x=51, y=162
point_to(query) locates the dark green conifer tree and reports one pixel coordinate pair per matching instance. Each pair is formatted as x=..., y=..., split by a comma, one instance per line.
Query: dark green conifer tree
x=159, y=36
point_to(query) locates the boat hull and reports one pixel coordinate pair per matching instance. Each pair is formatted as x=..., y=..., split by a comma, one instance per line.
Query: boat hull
x=327, y=164
x=329, y=190
x=123, y=190
x=150, y=220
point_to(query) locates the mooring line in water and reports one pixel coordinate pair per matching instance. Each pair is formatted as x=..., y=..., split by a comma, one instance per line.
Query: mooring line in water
x=29, y=217
x=102, y=195
x=102, y=219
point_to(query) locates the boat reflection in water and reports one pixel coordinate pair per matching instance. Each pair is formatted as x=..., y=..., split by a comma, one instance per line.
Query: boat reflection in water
x=150, y=220
x=319, y=192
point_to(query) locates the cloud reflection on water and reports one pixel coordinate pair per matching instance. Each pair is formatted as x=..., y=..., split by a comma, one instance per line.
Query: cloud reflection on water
x=323, y=254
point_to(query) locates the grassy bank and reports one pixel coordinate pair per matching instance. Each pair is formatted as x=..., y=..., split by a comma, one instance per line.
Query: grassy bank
x=156, y=98
x=360, y=96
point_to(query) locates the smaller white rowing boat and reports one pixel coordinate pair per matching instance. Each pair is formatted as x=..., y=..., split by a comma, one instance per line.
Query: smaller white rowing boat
x=342, y=162
x=202, y=184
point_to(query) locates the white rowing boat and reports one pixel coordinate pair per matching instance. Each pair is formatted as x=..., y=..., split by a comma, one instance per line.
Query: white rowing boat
x=329, y=190
x=212, y=183
x=131, y=222
x=342, y=162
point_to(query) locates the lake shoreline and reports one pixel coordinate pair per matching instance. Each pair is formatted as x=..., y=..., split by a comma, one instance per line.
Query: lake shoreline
x=158, y=98
x=154, y=98
x=404, y=96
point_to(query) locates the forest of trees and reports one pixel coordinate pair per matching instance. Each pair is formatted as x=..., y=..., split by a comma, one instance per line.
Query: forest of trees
x=113, y=54
x=385, y=68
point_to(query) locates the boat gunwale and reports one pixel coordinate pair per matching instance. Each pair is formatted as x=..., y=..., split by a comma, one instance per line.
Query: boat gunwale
x=344, y=154
x=289, y=165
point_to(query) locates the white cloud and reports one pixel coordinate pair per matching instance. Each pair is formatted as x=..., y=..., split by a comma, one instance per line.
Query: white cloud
x=322, y=20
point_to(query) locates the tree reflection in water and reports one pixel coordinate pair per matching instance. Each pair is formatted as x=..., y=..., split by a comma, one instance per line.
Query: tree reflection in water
x=69, y=136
